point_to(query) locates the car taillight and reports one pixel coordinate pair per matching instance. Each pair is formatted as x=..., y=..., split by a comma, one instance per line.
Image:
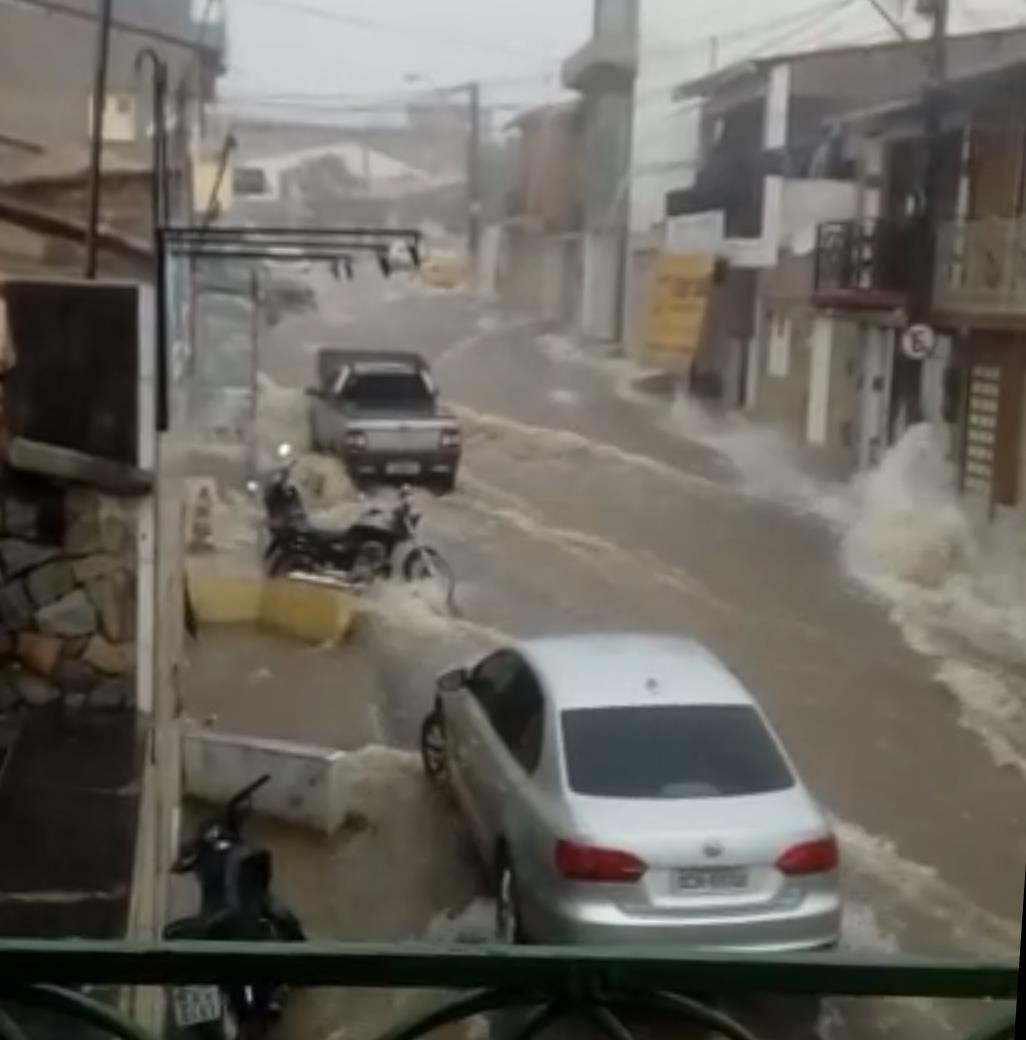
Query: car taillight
x=356, y=439
x=811, y=857
x=588, y=863
x=450, y=439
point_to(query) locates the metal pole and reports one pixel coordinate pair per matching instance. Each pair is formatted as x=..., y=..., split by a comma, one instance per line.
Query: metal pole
x=933, y=106
x=254, y=372
x=96, y=141
x=158, y=202
x=474, y=183
x=213, y=202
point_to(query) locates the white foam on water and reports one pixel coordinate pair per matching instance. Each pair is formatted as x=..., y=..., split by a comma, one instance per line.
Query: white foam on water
x=402, y=609
x=863, y=932
x=766, y=463
x=543, y=443
x=282, y=418
x=566, y=398
x=878, y=861
x=488, y=323
x=475, y=923
x=956, y=588
x=589, y=548
x=377, y=777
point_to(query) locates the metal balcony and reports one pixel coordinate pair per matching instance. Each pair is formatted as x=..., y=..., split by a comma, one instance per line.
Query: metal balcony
x=608, y=988
x=980, y=268
x=864, y=264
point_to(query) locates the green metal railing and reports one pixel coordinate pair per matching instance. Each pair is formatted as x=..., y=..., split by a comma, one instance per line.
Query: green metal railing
x=599, y=985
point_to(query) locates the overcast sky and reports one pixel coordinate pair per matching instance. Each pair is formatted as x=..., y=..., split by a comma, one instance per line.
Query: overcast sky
x=354, y=47
x=345, y=50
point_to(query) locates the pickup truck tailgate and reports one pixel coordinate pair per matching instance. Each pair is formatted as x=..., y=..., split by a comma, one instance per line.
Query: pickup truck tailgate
x=402, y=438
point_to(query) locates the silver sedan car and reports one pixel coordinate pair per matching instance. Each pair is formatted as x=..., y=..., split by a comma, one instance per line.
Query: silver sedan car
x=628, y=789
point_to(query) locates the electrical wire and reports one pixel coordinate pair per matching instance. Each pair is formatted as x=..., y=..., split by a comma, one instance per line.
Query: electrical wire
x=374, y=25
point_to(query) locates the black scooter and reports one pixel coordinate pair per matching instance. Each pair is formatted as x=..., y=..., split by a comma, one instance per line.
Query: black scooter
x=236, y=905
x=370, y=548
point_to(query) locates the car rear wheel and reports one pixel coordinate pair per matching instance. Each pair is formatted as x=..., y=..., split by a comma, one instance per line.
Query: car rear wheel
x=509, y=926
x=446, y=484
x=433, y=751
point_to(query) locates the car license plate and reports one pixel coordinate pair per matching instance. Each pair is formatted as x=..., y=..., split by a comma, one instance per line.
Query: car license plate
x=195, y=1005
x=712, y=879
x=402, y=469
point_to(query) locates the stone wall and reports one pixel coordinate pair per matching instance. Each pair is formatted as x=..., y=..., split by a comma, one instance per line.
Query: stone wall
x=67, y=597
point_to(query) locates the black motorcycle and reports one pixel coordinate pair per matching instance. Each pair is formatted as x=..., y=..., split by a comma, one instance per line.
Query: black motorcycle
x=372, y=547
x=236, y=905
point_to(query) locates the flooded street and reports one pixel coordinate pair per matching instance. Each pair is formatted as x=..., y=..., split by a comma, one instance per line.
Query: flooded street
x=585, y=505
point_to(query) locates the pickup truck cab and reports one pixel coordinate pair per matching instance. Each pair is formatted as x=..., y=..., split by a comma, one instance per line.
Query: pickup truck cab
x=379, y=412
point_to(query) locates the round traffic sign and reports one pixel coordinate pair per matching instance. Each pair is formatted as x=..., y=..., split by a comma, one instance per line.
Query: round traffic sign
x=918, y=342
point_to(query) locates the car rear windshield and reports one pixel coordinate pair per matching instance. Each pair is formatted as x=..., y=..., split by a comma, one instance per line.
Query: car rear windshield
x=690, y=751
x=403, y=391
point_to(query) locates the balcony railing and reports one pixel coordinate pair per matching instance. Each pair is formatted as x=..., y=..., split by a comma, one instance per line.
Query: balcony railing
x=605, y=987
x=981, y=267
x=864, y=264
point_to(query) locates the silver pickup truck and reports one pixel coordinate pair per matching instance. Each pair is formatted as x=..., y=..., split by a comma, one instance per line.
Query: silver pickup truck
x=379, y=412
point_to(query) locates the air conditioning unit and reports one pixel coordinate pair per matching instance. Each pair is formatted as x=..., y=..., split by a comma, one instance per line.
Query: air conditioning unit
x=119, y=118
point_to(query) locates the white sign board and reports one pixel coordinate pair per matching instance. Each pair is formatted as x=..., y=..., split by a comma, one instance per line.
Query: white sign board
x=695, y=233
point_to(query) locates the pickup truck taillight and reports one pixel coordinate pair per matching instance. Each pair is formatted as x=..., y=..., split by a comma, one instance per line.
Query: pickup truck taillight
x=451, y=438
x=356, y=440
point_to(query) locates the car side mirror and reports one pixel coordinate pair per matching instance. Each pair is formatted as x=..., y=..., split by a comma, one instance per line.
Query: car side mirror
x=450, y=682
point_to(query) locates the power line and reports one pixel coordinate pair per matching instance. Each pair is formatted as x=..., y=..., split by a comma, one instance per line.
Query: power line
x=120, y=24
x=373, y=25
x=893, y=22
x=384, y=96
x=752, y=29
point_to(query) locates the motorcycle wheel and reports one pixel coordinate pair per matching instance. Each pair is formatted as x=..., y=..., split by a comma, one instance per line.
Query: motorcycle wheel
x=423, y=563
x=433, y=754
x=371, y=562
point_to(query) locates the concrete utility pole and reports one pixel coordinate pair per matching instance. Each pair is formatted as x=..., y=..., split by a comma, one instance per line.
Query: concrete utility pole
x=474, y=206
x=934, y=105
x=474, y=202
x=96, y=140
x=254, y=372
x=907, y=374
x=933, y=109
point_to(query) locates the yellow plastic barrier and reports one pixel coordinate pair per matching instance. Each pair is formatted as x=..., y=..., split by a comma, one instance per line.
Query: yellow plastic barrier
x=308, y=612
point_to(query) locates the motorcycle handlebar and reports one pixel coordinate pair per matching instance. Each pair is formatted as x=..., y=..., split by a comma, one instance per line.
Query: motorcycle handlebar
x=240, y=797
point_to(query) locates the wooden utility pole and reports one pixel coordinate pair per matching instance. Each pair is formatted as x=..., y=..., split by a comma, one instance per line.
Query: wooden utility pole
x=474, y=207
x=254, y=374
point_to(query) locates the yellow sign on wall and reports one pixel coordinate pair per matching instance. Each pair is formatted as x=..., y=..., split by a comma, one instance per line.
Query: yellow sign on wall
x=677, y=302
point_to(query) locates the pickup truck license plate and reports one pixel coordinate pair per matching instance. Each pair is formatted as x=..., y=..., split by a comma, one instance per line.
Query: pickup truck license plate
x=712, y=879
x=195, y=1005
x=402, y=469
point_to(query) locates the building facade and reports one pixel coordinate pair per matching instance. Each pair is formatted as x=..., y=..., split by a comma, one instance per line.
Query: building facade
x=783, y=192
x=970, y=377
x=603, y=73
x=540, y=252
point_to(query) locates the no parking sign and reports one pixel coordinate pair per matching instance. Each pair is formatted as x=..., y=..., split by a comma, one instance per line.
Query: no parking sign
x=918, y=342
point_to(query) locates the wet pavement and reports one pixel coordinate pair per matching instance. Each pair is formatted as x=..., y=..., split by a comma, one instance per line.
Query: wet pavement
x=584, y=505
